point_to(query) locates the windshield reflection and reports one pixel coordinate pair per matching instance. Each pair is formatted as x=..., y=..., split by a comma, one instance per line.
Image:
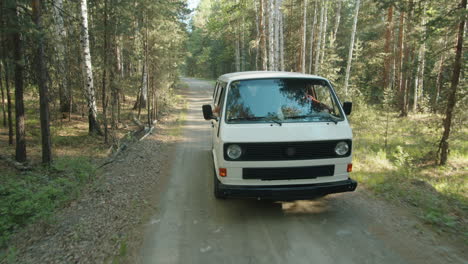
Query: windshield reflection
x=283, y=100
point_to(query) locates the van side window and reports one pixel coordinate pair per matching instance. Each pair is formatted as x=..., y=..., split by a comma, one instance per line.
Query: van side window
x=215, y=91
x=218, y=99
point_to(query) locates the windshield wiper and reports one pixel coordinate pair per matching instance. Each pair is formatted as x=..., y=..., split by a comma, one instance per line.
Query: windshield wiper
x=329, y=118
x=256, y=118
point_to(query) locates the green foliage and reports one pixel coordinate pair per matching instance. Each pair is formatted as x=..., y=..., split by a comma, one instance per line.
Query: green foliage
x=35, y=195
x=405, y=170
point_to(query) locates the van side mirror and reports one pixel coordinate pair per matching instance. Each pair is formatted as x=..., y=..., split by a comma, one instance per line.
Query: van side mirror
x=208, y=112
x=347, y=107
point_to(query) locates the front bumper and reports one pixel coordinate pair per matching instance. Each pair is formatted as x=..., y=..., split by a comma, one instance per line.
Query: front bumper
x=287, y=192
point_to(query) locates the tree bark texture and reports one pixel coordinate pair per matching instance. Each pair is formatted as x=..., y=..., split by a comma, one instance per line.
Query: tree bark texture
x=387, y=49
x=89, y=91
x=319, y=40
x=43, y=89
x=263, y=47
x=452, y=99
x=312, y=36
x=64, y=89
x=3, y=99
x=271, y=35
x=324, y=32
x=304, y=38
x=351, y=47
x=337, y=18
x=20, y=153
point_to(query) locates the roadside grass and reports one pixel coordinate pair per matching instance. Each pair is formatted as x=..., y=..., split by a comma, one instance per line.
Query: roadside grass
x=34, y=195
x=405, y=170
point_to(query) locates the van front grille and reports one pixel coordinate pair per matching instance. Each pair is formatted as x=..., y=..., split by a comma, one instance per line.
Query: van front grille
x=268, y=174
x=288, y=150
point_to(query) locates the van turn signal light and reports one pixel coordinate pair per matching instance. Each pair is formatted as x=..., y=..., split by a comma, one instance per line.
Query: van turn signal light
x=222, y=172
x=350, y=167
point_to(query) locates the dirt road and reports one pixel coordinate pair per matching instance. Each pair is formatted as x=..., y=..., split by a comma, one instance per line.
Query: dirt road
x=191, y=226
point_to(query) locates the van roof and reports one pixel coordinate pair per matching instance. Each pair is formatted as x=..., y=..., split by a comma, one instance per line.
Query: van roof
x=234, y=76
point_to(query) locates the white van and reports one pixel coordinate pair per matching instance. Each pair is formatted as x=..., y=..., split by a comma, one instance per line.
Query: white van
x=279, y=136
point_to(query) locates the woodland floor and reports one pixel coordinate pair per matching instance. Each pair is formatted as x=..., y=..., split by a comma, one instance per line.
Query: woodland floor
x=102, y=223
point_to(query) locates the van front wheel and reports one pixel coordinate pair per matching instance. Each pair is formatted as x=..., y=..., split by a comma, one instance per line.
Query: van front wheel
x=217, y=192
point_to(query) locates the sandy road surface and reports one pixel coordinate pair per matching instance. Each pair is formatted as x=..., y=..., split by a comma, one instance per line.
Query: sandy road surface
x=193, y=227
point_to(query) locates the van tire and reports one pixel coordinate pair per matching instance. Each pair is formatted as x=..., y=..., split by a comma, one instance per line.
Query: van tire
x=217, y=193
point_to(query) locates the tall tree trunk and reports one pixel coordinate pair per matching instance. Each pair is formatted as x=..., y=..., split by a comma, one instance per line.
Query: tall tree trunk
x=419, y=84
x=439, y=81
x=263, y=47
x=3, y=99
x=324, y=32
x=89, y=90
x=387, y=49
x=337, y=18
x=351, y=47
x=64, y=89
x=452, y=99
x=312, y=36
x=271, y=36
x=257, y=31
x=406, y=66
x=319, y=41
x=7, y=83
x=237, y=32
x=104, y=75
x=19, y=101
x=304, y=37
x=399, y=59
x=277, y=34
x=281, y=42
x=43, y=89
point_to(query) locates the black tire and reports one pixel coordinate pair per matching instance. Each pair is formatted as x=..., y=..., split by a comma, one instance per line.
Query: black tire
x=218, y=194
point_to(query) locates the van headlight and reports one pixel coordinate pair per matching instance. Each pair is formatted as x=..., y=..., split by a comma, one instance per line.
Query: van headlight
x=234, y=151
x=341, y=148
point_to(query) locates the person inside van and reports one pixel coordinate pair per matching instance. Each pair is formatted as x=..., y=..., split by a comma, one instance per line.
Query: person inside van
x=317, y=105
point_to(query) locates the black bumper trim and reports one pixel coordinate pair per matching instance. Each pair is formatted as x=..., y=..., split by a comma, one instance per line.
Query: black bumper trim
x=288, y=192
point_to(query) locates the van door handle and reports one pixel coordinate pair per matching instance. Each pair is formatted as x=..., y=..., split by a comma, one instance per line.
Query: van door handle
x=212, y=124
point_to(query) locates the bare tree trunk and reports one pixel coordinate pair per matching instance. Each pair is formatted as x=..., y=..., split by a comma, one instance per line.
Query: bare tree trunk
x=263, y=48
x=304, y=37
x=88, y=70
x=337, y=18
x=20, y=155
x=271, y=36
x=324, y=32
x=399, y=60
x=104, y=75
x=319, y=41
x=277, y=34
x=64, y=89
x=452, y=99
x=388, y=41
x=439, y=82
x=257, y=30
x=351, y=47
x=43, y=89
x=419, y=83
x=7, y=84
x=406, y=68
x=312, y=36
x=237, y=57
x=3, y=99
x=281, y=42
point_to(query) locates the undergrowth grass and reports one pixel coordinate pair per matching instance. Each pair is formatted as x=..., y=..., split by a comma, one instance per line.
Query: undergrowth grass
x=34, y=195
x=401, y=164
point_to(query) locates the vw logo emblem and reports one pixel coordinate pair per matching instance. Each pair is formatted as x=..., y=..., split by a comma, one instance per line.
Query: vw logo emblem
x=290, y=151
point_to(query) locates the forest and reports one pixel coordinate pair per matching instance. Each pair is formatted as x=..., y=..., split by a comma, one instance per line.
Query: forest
x=74, y=75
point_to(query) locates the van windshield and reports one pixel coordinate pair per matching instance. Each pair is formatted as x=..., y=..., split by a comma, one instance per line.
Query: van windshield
x=281, y=100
